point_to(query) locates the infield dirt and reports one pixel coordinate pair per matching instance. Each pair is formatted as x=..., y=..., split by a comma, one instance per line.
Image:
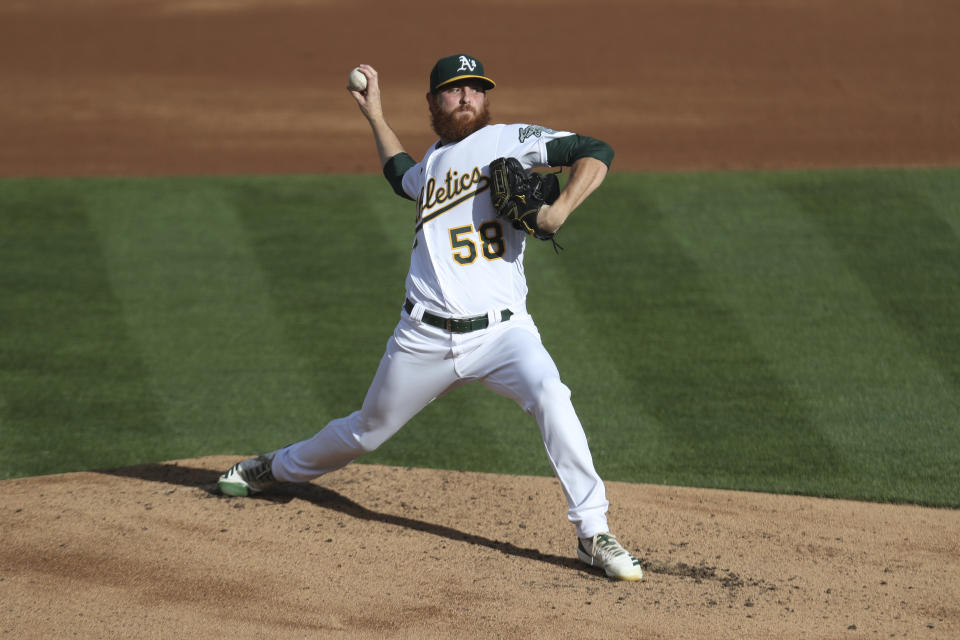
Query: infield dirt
x=164, y=87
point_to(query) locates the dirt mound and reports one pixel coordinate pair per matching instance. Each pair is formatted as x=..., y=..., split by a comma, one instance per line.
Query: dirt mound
x=372, y=551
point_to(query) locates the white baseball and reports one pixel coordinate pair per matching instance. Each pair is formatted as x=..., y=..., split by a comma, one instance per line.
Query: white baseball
x=357, y=81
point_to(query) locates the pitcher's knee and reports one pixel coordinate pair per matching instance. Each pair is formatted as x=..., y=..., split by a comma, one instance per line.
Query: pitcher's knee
x=369, y=439
x=549, y=392
x=364, y=433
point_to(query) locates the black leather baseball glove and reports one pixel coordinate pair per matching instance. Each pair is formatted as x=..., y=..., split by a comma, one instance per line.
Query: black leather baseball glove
x=518, y=195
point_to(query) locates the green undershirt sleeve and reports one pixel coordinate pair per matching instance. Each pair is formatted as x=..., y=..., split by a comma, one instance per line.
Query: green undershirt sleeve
x=394, y=169
x=567, y=150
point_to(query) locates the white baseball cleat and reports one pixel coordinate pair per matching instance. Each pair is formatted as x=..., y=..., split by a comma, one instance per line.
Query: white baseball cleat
x=248, y=476
x=603, y=550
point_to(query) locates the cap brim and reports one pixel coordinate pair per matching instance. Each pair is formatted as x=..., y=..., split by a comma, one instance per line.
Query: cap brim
x=490, y=84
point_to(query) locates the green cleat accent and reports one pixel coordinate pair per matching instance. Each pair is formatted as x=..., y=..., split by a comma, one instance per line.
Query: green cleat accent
x=248, y=476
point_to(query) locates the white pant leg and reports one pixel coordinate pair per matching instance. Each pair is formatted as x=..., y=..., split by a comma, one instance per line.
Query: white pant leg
x=404, y=384
x=515, y=364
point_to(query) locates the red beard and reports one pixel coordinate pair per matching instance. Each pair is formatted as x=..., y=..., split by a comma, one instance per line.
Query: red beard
x=452, y=128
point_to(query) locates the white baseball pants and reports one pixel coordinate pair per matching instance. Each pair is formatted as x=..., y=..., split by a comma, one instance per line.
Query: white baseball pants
x=422, y=363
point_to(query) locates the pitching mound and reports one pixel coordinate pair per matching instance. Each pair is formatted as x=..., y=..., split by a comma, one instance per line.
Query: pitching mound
x=372, y=551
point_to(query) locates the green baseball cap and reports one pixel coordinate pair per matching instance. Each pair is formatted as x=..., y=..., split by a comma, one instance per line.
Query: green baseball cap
x=458, y=67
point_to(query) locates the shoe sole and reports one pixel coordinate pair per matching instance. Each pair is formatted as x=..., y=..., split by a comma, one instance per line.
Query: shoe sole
x=237, y=489
x=627, y=578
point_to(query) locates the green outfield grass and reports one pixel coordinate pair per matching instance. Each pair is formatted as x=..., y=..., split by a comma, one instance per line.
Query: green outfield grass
x=796, y=332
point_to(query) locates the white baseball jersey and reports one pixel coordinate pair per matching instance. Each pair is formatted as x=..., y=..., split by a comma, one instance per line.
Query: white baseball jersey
x=466, y=261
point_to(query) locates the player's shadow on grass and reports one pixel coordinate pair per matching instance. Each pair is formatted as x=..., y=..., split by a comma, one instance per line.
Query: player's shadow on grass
x=206, y=480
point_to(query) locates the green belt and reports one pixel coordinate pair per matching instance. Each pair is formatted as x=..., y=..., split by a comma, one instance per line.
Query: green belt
x=457, y=325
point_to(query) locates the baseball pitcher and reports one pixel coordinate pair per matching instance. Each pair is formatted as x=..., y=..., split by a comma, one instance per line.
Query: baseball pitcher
x=464, y=318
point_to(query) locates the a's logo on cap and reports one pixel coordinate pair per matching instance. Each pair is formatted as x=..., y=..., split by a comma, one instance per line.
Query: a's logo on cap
x=467, y=64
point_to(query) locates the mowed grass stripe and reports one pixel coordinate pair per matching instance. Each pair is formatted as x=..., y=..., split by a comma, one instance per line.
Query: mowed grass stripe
x=676, y=350
x=335, y=273
x=584, y=306
x=758, y=331
x=905, y=252
x=197, y=305
x=817, y=322
x=906, y=255
x=72, y=383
